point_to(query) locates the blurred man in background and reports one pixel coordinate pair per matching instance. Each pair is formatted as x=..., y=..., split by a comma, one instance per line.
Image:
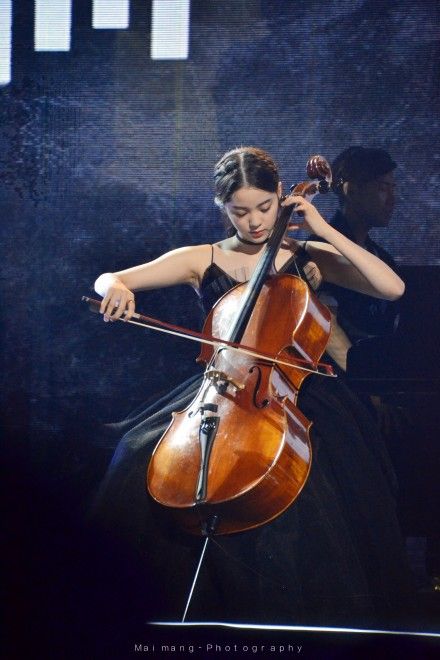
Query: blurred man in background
x=365, y=185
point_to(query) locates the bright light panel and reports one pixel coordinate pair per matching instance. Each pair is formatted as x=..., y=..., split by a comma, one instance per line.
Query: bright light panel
x=5, y=41
x=170, y=30
x=110, y=14
x=53, y=21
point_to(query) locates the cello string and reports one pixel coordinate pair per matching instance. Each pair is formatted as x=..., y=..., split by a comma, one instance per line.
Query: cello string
x=297, y=269
x=196, y=575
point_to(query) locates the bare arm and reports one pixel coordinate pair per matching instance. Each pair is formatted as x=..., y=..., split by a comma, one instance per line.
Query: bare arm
x=181, y=266
x=345, y=263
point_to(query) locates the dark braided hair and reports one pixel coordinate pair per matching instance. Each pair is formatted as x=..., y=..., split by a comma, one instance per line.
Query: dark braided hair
x=248, y=167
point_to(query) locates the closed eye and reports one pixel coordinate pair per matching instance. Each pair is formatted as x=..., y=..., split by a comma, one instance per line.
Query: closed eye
x=263, y=210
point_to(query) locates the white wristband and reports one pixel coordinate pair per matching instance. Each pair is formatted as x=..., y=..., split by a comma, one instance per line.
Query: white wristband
x=104, y=282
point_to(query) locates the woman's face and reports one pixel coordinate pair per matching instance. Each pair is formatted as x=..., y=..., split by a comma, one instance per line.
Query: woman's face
x=253, y=212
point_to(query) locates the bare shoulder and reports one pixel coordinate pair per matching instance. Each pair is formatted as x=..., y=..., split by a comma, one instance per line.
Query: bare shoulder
x=193, y=251
x=179, y=266
x=226, y=244
x=198, y=258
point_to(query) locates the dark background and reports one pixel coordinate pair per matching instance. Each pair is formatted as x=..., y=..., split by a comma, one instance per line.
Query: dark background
x=106, y=161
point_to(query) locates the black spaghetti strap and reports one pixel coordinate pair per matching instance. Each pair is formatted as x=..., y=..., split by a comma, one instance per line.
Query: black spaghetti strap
x=212, y=254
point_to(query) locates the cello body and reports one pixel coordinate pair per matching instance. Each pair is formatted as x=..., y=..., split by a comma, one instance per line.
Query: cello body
x=240, y=453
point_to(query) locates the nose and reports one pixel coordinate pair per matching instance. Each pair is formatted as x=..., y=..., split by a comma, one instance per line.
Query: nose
x=254, y=221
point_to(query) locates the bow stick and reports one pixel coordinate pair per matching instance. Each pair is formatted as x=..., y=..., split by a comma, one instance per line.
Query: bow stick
x=162, y=326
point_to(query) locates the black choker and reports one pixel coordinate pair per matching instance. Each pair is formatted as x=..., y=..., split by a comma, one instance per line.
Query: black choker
x=243, y=240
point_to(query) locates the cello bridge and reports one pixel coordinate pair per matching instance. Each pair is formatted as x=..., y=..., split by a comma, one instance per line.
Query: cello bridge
x=222, y=380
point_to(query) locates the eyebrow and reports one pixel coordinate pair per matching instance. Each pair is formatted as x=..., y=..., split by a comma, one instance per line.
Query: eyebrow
x=245, y=208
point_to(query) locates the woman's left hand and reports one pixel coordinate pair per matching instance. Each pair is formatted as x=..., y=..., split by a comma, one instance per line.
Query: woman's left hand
x=310, y=218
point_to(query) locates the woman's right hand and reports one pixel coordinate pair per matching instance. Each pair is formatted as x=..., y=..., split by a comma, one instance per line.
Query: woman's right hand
x=117, y=301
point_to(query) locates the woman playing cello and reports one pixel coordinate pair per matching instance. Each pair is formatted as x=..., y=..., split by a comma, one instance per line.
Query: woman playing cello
x=335, y=556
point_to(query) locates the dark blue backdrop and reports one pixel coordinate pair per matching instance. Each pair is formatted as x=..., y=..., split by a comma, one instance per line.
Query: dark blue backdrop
x=106, y=159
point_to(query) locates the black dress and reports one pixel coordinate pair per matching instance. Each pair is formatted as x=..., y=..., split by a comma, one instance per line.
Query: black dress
x=334, y=557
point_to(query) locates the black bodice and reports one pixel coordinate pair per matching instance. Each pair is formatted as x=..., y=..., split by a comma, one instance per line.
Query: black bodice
x=216, y=281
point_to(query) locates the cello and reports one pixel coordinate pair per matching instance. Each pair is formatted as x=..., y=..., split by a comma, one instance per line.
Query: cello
x=240, y=453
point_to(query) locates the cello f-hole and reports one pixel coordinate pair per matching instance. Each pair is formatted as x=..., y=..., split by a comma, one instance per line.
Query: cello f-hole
x=264, y=402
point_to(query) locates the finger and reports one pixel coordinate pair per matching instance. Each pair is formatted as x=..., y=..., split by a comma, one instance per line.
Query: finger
x=111, y=306
x=126, y=305
x=289, y=201
x=297, y=208
x=104, y=302
x=114, y=305
x=292, y=199
x=120, y=308
x=107, y=304
x=130, y=310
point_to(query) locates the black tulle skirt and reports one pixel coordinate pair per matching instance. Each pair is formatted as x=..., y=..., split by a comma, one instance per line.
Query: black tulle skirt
x=334, y=557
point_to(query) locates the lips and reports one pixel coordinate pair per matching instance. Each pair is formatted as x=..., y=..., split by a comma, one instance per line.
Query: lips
x=257, y=234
